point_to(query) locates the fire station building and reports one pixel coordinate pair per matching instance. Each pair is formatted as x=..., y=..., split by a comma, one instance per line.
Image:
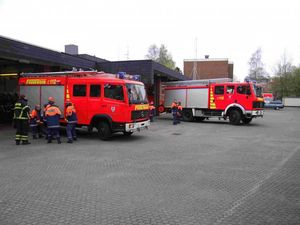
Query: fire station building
x=17, y=57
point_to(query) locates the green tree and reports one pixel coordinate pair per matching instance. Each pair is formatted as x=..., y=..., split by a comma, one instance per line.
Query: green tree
x=287, y=85
x=153, y=52
x=284, y=66
x=161, y=55
x=286, y=82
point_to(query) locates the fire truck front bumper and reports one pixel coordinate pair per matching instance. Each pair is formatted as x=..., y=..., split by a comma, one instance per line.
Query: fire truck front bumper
x=255, y=113
x=137, y=126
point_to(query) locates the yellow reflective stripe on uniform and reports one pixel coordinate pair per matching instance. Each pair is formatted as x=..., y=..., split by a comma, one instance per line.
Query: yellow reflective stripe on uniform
x=18, y=137
x=20, y=116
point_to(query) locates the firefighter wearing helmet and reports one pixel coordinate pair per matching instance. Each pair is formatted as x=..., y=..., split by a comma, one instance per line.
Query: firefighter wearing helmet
x=21, y=120
x=52, y=115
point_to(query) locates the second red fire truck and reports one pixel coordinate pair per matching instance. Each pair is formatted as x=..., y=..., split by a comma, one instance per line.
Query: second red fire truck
x=111, y=103
x=203, y=99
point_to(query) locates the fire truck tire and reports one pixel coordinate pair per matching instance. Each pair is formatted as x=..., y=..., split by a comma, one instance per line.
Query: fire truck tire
x=127, y=133
x=235, y=117
x=246, y=120
x=187, y=115
x=104, y=131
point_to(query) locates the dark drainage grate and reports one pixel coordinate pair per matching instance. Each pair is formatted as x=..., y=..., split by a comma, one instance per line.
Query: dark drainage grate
x=176, y=133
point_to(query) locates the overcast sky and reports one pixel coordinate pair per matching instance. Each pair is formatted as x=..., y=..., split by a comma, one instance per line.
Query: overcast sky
x=110, y=29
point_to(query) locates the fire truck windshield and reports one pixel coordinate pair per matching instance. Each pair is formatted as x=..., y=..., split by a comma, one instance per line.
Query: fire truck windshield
x=136, y=94
x=257, y=90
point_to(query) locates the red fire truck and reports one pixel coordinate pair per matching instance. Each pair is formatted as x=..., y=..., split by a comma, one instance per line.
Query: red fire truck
x=215, y=98
x=111, y=103
x=268, y=97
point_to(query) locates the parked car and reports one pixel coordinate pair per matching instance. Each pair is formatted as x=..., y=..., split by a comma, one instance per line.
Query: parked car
x=274, y=105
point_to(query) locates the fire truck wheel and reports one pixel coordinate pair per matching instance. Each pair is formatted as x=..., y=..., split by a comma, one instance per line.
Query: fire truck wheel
x=104, y=131
x=127, y=133
x=246, y=120
x=235, y=117
x=187, y=115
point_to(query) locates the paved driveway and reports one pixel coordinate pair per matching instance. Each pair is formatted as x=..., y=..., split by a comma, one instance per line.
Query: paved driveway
x=192, y=173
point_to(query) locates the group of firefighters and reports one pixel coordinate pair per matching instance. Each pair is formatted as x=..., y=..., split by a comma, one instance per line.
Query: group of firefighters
x=46, y=121
x=176, y=109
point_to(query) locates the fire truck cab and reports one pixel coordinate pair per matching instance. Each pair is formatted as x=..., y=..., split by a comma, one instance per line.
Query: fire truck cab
x=214, y=98
x=111, y=103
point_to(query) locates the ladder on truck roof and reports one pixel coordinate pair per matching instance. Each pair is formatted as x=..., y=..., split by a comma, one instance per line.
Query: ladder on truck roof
x=62, y=73
x=197, y=82
x=120, y=75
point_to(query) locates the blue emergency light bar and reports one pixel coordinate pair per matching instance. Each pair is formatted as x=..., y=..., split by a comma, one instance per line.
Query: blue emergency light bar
x=123, y=75
x=137, y=77
x=247, y=79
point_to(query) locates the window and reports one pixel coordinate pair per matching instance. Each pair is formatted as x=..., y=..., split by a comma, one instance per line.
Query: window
x=95, y=90
x=219, y=90
x=229, y=89
x=114, y=92
x=244, y=90
x=79, y=90
x=136, y=94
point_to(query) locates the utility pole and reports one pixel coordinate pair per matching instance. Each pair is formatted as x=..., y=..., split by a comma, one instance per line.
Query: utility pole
x=127, y=53
x=194, y=71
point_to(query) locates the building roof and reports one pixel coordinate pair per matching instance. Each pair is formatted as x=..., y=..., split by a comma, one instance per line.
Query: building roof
x=26, y=53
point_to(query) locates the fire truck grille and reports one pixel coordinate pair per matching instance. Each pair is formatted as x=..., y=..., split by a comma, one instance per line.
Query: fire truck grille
x=139, y=114
x=258, y=104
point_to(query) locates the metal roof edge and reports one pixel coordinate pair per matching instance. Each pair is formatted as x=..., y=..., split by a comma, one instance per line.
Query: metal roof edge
x=205, y=60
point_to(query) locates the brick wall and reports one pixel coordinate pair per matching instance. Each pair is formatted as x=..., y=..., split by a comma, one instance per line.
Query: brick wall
x=209, y=69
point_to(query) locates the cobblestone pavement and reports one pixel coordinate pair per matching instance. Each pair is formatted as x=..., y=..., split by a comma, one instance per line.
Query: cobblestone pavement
x=192, y=173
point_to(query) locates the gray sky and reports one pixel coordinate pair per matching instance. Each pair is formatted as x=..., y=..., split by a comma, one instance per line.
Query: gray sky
x=231, y=29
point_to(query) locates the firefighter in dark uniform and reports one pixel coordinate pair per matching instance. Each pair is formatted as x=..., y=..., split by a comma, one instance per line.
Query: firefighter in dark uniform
x=46, y=106
x=52, y=115
x=36, y=122
x=174, y=109
x=151, y=111
x=179, y=114
x=71, y=118
x=21, y=120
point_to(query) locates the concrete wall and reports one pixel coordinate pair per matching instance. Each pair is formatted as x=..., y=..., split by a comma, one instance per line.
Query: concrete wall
x=291, y=102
